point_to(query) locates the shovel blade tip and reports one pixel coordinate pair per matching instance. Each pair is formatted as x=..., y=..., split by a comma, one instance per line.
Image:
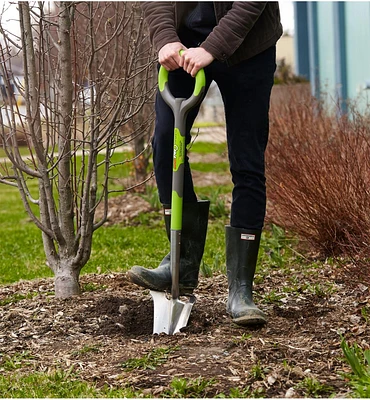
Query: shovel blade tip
x=170, y=315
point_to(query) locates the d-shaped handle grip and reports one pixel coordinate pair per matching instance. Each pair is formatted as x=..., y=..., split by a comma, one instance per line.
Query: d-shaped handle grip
x=200, y=83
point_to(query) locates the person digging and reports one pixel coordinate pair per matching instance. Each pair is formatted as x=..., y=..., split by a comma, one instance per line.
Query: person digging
x=235, y=44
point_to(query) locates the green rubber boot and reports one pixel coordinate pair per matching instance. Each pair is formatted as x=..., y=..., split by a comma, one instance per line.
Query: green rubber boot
x=193, y=238
x=241, y=258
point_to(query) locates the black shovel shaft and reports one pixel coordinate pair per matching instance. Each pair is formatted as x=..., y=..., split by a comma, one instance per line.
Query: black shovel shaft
x=175, y=262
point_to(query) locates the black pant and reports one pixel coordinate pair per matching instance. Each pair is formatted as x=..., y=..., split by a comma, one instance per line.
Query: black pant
x=245, y=90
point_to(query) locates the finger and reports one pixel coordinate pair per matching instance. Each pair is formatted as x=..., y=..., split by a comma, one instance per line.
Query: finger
x=190, y=67
x=194, y=71
x=186, y=64
x=169, y=63
x=178, y=59
x=183, y=51
x=184, y=60
x=181, y=62
x=182, y=57
x=173, y=62
x=189, y=63
x=163, y=60
x=186, y=68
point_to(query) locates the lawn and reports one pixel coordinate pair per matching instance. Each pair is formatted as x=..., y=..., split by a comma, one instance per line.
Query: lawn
x=115, y=248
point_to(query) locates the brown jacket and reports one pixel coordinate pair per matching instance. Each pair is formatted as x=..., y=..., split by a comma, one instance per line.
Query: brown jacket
x=244, y=28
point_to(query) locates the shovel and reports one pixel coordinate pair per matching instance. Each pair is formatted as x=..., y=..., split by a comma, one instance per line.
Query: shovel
x=170, y=312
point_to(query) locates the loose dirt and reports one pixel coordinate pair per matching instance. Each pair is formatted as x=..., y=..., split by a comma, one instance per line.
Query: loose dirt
x=99, y=332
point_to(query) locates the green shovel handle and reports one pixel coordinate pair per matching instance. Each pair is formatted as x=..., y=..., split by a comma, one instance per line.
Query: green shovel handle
x=200, y=83
x=180, y=108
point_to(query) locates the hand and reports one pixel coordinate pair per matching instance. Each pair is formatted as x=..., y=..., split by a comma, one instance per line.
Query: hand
x=193, y=59
x=169, y=56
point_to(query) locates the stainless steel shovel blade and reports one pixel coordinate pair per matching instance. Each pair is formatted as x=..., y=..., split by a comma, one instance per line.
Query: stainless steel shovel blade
x=170, y=315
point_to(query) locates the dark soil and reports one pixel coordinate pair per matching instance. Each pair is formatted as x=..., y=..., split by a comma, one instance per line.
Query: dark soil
x=100, y=330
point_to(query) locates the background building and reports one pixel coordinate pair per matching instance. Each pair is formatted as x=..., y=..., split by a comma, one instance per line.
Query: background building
x=332, y=49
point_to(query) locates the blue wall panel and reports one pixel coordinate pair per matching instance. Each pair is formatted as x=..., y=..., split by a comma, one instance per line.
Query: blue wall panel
x=357, y=30
x=333, y=42
x=302, y=60
x=325, y=26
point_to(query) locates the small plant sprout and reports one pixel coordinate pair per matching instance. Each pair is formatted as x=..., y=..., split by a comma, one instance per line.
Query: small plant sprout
x=87, y=349
x=218, y=207
x=272, y=297
x=365, y=314
x=240, y=393
x=92, y=287
x=257, y=371
x=184, y=388
x=206, y=270
x=314, y=388
x=359, y=361
x=150, y=361
x=241, y=339
x=18, y=360
x=274, y=245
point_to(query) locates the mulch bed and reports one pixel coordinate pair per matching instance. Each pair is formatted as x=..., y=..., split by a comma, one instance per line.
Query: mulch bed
x=301, y=340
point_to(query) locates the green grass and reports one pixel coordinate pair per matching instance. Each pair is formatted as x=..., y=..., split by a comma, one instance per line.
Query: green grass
x=17, y=361
x=359, y=361
x=208, y=147
x=218, y=168
x=22, y=150
x=209, y=191
x=58, y=384
x=151, y=360
x=189, y=388
x=314, y=389
x=21, y=251
x=14, y=298
x=117, y=248
x=121, y=168
x=68, y=384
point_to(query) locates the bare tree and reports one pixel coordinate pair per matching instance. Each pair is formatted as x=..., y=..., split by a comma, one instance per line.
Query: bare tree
x=87, y=73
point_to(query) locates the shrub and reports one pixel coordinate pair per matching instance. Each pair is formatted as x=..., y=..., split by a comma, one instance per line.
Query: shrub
x=284, y=74
x=318, y=174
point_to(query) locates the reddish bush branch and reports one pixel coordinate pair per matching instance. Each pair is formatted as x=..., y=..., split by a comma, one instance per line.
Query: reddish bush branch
x=318, y=174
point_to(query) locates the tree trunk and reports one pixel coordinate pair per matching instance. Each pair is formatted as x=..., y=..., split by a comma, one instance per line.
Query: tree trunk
x=66, y=280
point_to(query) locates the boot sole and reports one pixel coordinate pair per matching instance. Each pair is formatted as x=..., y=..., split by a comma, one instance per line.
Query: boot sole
x=249, y=320
x=253, y=317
